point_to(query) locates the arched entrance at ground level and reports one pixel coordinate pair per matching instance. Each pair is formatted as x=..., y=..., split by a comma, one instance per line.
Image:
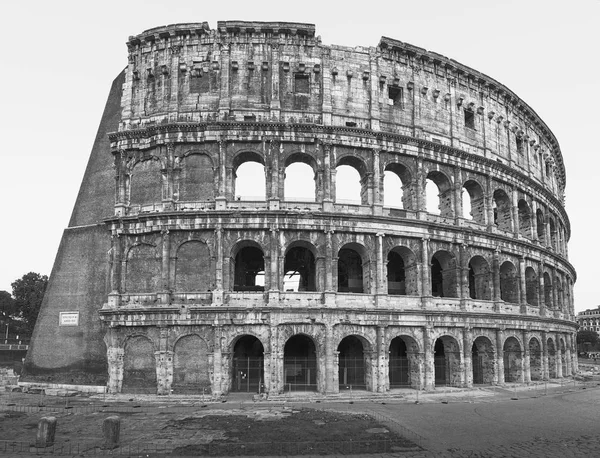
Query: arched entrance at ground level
x=352, y=364
x=248, y=365
x=483, y=361
x=535, y=360
x=139, y=366
x=446, y=361
x=190, y=366
x=552, y=372
x=300, y=364
x=404, y=363
x=513, y=362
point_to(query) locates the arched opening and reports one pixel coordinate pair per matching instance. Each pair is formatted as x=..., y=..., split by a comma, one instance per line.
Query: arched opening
x=139, y=366
x=300, y=364
x=443, y=275
x=393, y=194
x=480, y=279
x=299, y=268
x=541, y=225
x=145, y=183
x=559, y=294
x=351, y=181
x=552, y=370
x=197, y=182
x=352, y=365
x=248, y=365
x=531, y=286
x=299, y=184
x=502, y=210
x=535, y=359
x=190, y=366
x=350, y=270
x=446, y=361
x=524, y=218
x=509, y=283
x=548, y=299
x=399, y=370
x=482, y=354
x=249, y=269
x=143, y=269
x=438, y=194
x=473, y=202
x=513, y=363
x=396, y=187
x=193, y=271
x=249, y=177
x=396, y=274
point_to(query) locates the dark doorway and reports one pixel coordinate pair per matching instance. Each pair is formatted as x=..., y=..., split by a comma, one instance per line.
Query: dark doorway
x=439, y=361
x=300, y=364
x=248, y=371
x=351, y=364
x=398, y=364
x=249, y=262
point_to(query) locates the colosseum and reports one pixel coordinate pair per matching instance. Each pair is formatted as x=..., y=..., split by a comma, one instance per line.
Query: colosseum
x=449, y=267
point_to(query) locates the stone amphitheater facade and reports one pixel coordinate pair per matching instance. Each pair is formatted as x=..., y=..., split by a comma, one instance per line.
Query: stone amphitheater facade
x=181, y=285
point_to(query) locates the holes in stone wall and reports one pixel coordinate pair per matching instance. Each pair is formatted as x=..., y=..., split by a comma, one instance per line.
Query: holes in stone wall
x=512, y=360
x=250, y=181
x=396, y=96
x=509, y=283
x=473, y=201
x=469, y=116
x=348, y=186
x=299, y=268
x=531, y=286
x=502, y=210
x=350, y=271
x=249, y=266
x=299, y=183
x=480, y=279
x=444, y=282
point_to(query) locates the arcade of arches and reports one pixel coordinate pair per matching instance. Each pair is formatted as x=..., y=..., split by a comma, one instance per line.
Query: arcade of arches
x=331, y=359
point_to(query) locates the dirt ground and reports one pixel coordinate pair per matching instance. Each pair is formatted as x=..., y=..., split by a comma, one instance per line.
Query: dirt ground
x=190, y=428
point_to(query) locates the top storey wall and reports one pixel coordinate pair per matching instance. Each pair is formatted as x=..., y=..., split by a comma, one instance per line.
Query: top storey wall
x=280, y=72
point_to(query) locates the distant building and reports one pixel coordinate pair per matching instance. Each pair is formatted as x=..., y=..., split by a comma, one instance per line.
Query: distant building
x=589, y=320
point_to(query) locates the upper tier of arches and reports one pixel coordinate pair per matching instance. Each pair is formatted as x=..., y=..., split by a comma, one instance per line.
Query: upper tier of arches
x=337, y=178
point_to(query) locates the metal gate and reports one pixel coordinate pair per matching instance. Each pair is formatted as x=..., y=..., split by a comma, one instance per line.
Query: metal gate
x=352, y=372
x=439, y=363
x=399, y=372
x=478, y=369
x=300, y=373
x=248, y=375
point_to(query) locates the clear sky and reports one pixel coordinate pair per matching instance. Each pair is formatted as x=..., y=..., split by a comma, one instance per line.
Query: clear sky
x=60, y=57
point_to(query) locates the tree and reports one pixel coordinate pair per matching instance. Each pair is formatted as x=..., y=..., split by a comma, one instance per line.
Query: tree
x=587, y=337
x=28, y=292
x=7, y=305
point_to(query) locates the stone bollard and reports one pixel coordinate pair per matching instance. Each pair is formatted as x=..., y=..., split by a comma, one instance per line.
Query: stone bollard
x=45, y=432
x=111, y=428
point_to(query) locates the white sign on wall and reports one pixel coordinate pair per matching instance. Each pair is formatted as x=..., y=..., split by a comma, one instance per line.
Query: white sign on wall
x=69, y=319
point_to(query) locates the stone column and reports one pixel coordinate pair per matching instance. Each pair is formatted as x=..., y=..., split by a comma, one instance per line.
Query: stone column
x=166, y=251
x=115, y=357
x=274, y=185
x=223, y=191
x=429, y=365
x=542, y=290
x=515, y=213
x=377, y=204
x=500, y=355
x=382, y=361
x=329, y=270
x=534, y=235
x=526, y=372
x=468, y=357
x=328, y=185
x=559, y=366
x=217, y=294
x=115, y=270
x=567, y=356
x=164, y=364
x=330, y=367
x=274, y=276
x=489, y=204
x=545, y=366
x=420, y=191
x=216, y=368
x=425, y=269
x=458, y=203
x=496, y=276
x=381, y=277
x=463, y=275
x=574, y=356
x=522, y=285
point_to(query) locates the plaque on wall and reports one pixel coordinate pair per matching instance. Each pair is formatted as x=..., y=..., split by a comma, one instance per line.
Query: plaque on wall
x=69, y=319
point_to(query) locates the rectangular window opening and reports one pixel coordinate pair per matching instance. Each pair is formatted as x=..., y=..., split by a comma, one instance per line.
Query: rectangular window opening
x=395, y=96
x=469, y=119
x=519, y=145
x=301, y=83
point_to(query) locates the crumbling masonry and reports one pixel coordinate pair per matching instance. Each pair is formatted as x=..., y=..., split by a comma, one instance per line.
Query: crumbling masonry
x=167, y=280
